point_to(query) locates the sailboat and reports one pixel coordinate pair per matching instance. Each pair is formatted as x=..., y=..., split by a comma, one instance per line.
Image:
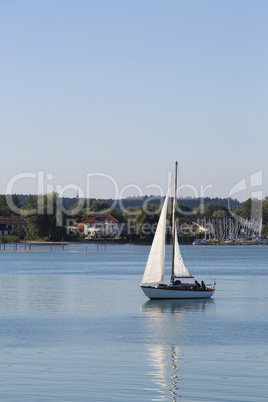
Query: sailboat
x=182, y=284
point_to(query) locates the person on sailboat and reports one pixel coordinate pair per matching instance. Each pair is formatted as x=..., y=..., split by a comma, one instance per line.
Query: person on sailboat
x=197, y=285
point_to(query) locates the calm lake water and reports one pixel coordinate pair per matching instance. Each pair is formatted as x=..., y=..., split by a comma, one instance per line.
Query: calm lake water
x=75, y=326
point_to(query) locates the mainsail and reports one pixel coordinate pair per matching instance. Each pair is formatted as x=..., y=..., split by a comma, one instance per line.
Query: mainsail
x=155, y=267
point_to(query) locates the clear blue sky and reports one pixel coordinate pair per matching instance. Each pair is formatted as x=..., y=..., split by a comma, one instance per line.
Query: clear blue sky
x=125, y=88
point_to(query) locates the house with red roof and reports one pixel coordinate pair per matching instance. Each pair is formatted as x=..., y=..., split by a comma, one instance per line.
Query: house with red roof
x=103, y=225
x=74, y=227
x=7, y=223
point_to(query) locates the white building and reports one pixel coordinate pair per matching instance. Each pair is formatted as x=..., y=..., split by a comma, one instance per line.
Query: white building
x=103, y=225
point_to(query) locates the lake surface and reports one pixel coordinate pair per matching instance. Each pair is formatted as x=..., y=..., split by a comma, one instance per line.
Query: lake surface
x=75, y=326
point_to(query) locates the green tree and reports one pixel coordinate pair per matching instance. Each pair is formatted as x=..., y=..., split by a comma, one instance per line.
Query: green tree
x=45, y=217
x=145, y=222
x=99, y=206
x=7, y=204
x=209, y=210
x=117, y=215
x=265, y=217
x=84, y=209
x=81, y=210
x=4, y=210
x=265, y=209
x=131, y=212
x=220, y=213
x=251, y=209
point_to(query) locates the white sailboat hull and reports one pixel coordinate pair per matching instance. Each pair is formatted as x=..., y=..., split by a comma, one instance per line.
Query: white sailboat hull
x=171, y=293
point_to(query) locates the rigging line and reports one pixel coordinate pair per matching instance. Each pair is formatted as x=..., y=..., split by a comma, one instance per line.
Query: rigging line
x=182, y=183
x=180, y=199
x=182, y=188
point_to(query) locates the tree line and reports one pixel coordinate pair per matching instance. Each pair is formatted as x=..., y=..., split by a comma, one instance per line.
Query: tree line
x=46, y=215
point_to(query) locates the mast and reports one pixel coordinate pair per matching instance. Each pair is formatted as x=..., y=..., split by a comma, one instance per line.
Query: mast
x=173, y=223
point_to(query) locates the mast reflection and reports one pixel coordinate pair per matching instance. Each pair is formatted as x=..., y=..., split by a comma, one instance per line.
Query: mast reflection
x=168, y=325
x=165, y=363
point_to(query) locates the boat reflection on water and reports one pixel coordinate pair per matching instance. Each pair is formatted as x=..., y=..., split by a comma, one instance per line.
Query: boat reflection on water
x=165, y=363
x=169, y=325
x=177, y=305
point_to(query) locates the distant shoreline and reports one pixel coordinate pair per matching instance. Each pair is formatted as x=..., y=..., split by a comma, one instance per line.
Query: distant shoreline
x=145, y=243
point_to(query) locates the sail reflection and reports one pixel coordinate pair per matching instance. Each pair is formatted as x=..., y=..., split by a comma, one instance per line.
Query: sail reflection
x=164, y=361
x=168, y=326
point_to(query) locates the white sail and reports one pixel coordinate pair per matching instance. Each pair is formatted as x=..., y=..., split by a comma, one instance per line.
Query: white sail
x=180, y=269
x=155, y=267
